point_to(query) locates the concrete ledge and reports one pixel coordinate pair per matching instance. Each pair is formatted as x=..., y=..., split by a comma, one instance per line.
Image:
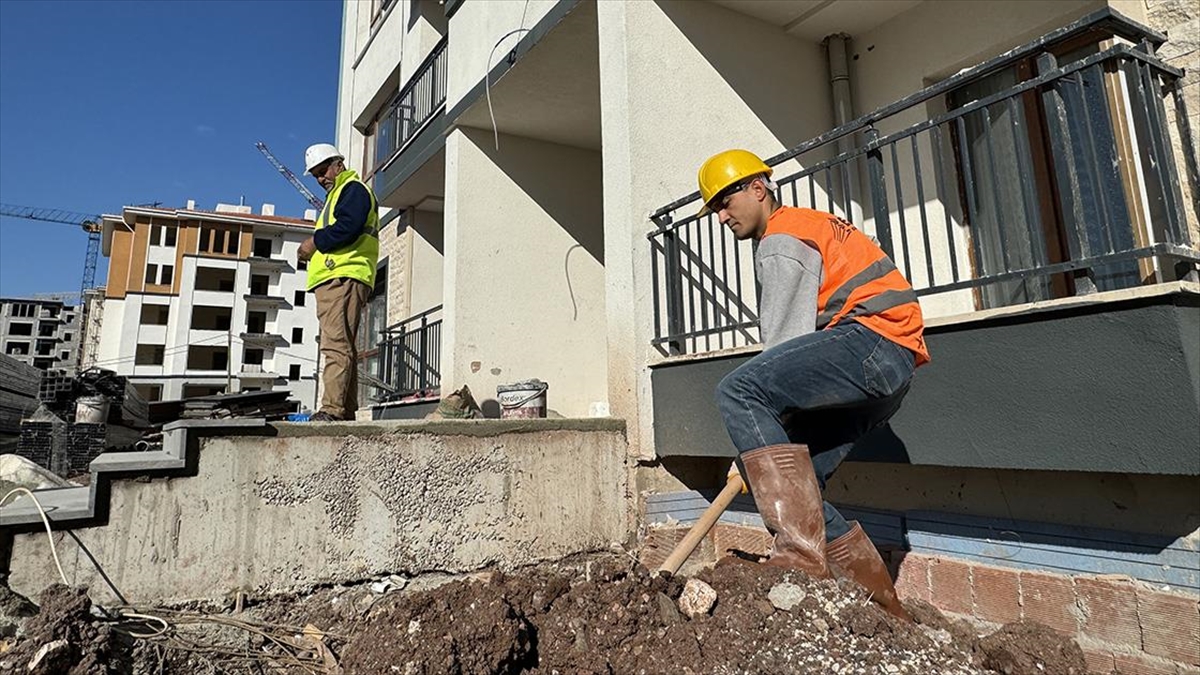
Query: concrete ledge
x=308, y=504
x=475, y=428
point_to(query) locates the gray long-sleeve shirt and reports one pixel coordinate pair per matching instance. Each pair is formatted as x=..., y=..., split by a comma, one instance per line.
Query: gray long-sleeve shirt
x=789, y=272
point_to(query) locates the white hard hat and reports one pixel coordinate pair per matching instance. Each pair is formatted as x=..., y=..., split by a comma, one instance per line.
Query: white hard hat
x=318, y=153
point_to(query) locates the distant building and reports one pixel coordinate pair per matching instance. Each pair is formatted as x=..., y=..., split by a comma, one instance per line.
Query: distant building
x=41, y=333
x=203, y=302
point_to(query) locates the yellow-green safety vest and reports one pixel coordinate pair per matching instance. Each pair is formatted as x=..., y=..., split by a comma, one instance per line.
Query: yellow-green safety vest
x=356, y=261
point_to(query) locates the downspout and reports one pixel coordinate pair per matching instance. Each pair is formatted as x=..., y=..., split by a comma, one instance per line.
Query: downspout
x=836, y=46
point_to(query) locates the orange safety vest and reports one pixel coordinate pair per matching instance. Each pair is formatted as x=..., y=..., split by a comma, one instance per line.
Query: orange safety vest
x=860, y=282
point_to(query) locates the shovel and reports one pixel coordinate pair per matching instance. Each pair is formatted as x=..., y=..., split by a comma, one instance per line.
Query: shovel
x=709, y=518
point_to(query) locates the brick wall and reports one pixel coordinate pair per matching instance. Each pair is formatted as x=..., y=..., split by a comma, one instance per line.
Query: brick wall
x=1121, y=624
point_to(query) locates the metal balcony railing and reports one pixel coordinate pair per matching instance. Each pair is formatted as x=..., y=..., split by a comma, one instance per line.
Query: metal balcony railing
x=412, y=355
x=1025, y=179
x=406, y=114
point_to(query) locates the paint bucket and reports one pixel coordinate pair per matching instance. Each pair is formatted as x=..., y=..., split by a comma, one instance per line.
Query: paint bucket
x=91, y=410
x=522, y=399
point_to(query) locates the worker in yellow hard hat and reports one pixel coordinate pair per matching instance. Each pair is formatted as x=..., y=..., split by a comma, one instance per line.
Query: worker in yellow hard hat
x=842, y=332
x=342, y=255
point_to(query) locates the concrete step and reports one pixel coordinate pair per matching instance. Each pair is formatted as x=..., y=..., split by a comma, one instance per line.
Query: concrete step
x=73, y=507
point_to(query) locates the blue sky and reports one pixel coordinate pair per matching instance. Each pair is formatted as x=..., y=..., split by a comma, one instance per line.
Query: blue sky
x=104, y=104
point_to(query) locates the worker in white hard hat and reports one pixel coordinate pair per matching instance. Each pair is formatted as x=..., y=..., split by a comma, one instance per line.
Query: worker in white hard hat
x=342, y=255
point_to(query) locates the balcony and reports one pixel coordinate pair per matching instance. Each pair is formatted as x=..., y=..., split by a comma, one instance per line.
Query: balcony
x=420, y=105
x=1024, y=180
x=410, y=361
x=264, y=300
x=1037, y=204
x=263, y=339
x=268, y=264
x=255, y=371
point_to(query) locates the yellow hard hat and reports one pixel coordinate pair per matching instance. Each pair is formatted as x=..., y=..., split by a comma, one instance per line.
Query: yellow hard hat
x=727, y=168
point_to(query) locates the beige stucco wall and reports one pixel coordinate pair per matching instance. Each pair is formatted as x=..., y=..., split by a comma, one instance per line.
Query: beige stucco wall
x=524, y=277
x=426, y=261
x=658, y=128
x=476, y=28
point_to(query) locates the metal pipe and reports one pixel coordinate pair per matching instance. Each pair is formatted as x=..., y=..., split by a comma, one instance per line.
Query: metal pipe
x=836, y=46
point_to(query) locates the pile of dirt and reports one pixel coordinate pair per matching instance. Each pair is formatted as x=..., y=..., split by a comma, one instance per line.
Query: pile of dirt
x=595, y=616
x=63, y=638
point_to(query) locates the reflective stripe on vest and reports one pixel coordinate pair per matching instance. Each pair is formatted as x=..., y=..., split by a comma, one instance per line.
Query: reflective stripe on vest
x=858, y=280
x=359, y=259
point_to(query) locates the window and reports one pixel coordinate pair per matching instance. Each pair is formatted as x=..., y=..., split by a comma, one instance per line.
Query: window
x=63, y=356
x=155, y=235
x=262, y=248
x=298, y=300
x=20, y=329
x=205, y=239
x=149, y=355
x=294, y=372
x=67, y=337
x=256, y=322
x=168, y=275
x=170, y=232
x=22, y=310
x=151, y=274
x=155, y=315
x=297, y=335
x=211, y=318
x=215, y=279
x=46, y=330
x=149, y=392
x=218, y=241
x=259, y=284
x=17, y=348
x=253, y=357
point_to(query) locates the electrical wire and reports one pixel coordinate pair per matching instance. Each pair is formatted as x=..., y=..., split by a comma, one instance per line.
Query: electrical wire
x=46, y=522
x=487, y=73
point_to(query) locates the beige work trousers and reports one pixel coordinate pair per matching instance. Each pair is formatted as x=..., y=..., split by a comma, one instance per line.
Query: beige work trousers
x=339, y=306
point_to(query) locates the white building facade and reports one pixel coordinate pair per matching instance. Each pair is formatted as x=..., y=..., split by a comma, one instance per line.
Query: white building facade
x=205, y=302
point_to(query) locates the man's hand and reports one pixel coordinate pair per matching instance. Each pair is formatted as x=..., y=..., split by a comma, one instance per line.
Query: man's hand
x=307, y=248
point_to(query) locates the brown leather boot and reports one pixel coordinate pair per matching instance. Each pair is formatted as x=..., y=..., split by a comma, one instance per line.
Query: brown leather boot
x=789, y=499
x=854, y=554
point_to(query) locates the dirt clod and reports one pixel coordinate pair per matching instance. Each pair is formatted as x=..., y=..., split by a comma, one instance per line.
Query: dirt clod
x=1030, y=648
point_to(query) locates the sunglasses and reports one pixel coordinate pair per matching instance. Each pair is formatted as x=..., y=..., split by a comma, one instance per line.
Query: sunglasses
x=721, y=201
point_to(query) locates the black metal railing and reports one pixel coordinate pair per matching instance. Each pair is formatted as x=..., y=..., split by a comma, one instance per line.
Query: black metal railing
x=405, y=115
x=1008, y=191
x=412, y=356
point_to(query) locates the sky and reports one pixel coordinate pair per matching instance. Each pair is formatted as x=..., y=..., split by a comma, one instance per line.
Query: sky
x=104, y=104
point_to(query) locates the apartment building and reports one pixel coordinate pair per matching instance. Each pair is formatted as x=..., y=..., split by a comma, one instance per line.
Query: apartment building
x=42, y=333
x=201, y=302
x=1030, y=166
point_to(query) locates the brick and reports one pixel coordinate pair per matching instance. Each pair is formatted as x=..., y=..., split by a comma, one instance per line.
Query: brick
x=659, y=544
x=1139, y=664
x=1050, y=599
x=950, y=586
x=912, y=578
x=752, y=540
x=1170, y=625
x=1099, y=661
x=997, y=593
x=1109, y=610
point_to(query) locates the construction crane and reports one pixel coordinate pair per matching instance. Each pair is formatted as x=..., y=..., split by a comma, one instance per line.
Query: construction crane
x=316, y=202
x=88, y=222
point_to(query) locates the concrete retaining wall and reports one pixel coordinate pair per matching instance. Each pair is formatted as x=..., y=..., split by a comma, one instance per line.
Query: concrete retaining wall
x=315, y=504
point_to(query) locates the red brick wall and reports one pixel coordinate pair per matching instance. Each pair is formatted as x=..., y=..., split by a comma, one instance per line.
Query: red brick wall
x=1121, y=624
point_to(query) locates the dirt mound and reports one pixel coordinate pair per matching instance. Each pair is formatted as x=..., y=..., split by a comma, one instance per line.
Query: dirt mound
x=62, y=638
x=597, y=616
x=1030, y=648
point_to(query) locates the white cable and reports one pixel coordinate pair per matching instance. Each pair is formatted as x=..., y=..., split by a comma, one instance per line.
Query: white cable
x=46, y=522
x=487, y=83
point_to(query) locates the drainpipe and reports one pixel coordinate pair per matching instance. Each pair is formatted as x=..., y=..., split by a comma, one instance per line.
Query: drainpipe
x=836, y=46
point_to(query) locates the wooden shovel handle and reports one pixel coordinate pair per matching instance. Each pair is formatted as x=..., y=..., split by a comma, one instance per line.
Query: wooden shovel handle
x=702, y=526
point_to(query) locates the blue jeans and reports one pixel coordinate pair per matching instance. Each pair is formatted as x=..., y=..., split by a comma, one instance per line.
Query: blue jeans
x=826, y=390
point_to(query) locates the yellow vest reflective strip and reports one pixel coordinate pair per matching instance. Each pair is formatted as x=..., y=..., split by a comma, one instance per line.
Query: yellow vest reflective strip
x=359, y=259
x=876, y=270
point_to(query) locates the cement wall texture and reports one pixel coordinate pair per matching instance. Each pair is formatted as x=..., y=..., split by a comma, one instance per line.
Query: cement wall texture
x=335, y=503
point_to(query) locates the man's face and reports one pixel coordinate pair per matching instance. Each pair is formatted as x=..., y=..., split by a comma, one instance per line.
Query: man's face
x=327, y=172
x=741, y=208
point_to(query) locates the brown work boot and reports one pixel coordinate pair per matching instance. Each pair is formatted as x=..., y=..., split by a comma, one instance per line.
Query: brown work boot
x=789, y=499
x=855, y=555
